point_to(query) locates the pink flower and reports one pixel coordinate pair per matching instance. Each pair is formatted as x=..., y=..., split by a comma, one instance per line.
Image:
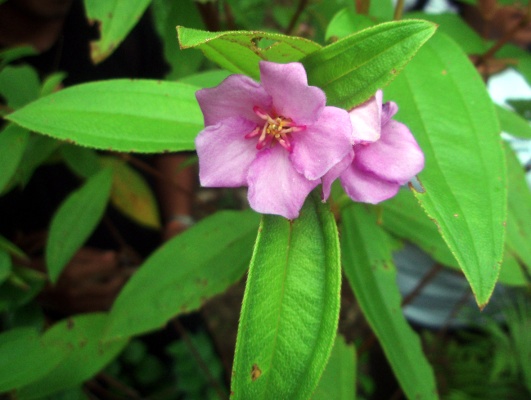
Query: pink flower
x=278, y=137
x=385, y=154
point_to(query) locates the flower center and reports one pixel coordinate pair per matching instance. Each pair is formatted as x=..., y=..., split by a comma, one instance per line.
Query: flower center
x=276, y=128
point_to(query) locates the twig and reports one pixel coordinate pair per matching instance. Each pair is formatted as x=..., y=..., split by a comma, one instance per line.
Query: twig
x=427, y=278
x=300, y=8
x=399, y=9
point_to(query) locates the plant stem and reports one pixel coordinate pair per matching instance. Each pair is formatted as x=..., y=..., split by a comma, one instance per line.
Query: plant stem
x=300, y=8
x=399, y=9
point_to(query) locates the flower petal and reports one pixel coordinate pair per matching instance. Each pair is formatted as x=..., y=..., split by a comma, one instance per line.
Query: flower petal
x=224, y=153
x=292, y=97
x=366, y=119
x=234, y=97
x=389, y=109
x=334, y=173
x=322, y=145
x=395, y=157
x=275, y=187
x=365, y=187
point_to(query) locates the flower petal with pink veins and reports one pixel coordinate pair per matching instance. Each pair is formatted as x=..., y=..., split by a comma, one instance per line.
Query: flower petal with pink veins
x=224, y=153
x=275, y=187
x=365, y=187
x=366, y=119
x=234, y=97
x=322, y=145
x=396, y=157
x=292, y=97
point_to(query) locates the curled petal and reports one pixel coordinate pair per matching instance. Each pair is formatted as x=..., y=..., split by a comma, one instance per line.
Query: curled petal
x=396, y=157
x=322, y=145
x=334, y=173
x=389, y=109
x=275, y=187
x=292, y=97
x=224, y=153
x=366, y=119
x=234, y=97
x=365, y=187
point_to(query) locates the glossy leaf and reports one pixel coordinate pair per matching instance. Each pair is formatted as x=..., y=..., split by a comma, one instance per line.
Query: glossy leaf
x=464, y=178
x=131, y=194
x=240, y=51
x=120, y=115
x=114, y=18
x=369, y=267
x=75, y=220
x=80, y=338
x=403, y=217
x=353, y=68
x=290, y=308
x=25, y=358
x=519, y=215
x=167, y=14
x=19, y=85
x=339, y=377
x=13, y=142
x=195, y=265
x=513, y=123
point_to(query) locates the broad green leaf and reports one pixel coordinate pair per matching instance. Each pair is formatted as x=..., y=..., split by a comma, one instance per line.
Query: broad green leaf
x=19, y=85
x=403, y=217
x=120, y=115
x=353, y=68
x=75, y=220
x=185, y=272
x=5, y=265
x=80, y=337
x=519, y=214
x=114, y=18
x=52, y=83
x=39, y=149
x=240, y=51
x=13, y=142
x=25, y=358
x=513, y=123
x=511, y=272
x=167, y=14
x=290, y=308
x=345, y=23
x=454, y=26
x=206, y=79
x=339, y=377
x=82, y=161
x=14, y=53
x=464, y=177
x=131, y=194
x=369, y=267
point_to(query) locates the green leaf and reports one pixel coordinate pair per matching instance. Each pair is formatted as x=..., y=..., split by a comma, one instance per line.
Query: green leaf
x=25, y=358
x=9, y=247
x=75, y=220
x=352, y=69
x=39, y=150
x=513, y=123
x=519, y=215
x=167, y=14
x=120, y=115
x=206, y=79
x=131, y=194
x=114, y=18
x=346, y=22
x=12, y=54
x=19, y=85
x=368, y=265
x=83, y=161
x=339, y=377
x=454, y=26
x=5, y=265
x=195, y=265
x=13, y=142
x=291, y=306
x=240, y=51
x=22, y=286
x=522, y=107
x=52, y=83
x=464, y=177
x=522, y=56
x=80, y=338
